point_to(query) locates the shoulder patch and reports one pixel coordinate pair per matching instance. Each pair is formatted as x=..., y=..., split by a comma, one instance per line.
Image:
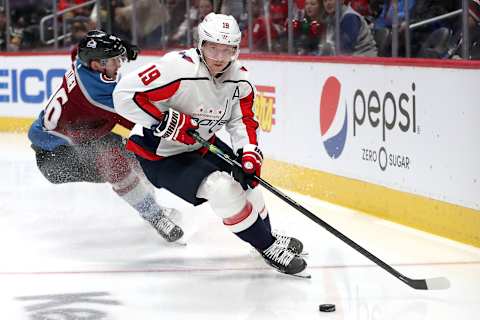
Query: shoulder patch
x=243, y=68
x=186, y=57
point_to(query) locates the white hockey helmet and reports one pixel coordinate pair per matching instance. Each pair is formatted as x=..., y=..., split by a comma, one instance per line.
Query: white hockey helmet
x=220, y=28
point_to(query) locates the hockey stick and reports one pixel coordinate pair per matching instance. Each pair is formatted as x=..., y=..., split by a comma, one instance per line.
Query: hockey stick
x=437, y=283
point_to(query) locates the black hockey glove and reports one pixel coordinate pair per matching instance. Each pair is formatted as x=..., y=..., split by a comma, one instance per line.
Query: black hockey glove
x=251, y=158
x=132, y=50
x=175, y=127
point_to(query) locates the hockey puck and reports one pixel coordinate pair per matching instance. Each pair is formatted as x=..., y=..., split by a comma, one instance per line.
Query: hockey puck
x=326, y=307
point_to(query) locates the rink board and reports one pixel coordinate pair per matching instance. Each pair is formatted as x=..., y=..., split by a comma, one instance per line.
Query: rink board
x=391, y=143
x=437, y=217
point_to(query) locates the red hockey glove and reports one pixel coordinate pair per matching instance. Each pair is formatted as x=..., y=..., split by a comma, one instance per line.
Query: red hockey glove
x=251, y=159
x=174, y=126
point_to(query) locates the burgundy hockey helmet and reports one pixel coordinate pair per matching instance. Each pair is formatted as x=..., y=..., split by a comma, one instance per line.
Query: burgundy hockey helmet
x=99, y=45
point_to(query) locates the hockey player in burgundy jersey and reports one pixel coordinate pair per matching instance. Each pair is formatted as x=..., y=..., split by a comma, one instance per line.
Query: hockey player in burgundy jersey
x=72, y=136
x=205, y=89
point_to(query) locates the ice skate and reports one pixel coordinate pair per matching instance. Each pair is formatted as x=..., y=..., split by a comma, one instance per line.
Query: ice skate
x=290, y=243
x=285, y=261
x=166, y=227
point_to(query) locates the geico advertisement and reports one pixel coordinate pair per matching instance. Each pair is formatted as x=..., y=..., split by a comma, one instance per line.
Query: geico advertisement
x=399, y=127
x=26, y=82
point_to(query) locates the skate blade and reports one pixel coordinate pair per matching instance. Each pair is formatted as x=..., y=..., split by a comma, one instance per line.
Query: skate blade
x=302, y=274
x=180, y=242
x=302, y=254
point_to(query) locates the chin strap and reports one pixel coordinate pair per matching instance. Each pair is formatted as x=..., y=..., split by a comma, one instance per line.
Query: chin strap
x=218, y=75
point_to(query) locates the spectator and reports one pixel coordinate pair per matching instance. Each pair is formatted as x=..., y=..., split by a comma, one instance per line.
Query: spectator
x=151, y=16
x=234, y=8
x=309, y=31
x=16, y=40
x=455, y=51
x=385, y=18
x=25, y=17
x=66, y=4
x=257, y=11
x=272, y=26
x=3, y=29
x=423, y=10
x=360, y=6
x=79, y=28
x=120, y=30
x=355, y=35
x=426, y=9
x=176, y=11
x=197, y=13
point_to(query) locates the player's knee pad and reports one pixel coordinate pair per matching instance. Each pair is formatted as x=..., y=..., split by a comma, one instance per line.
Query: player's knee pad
x=225, y=195
x=255, y=197
x=228, y=200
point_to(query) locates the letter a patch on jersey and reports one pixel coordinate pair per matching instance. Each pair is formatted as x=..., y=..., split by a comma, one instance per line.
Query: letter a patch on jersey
x=236, y=94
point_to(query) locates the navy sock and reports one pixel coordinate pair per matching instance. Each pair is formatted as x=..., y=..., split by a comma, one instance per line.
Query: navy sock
x=257, y=235
x=266, y=221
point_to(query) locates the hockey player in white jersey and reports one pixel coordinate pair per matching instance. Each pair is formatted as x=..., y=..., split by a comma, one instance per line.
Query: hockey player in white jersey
x=204, y=89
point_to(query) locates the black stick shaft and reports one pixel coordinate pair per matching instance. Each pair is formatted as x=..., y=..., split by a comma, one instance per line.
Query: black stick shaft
x=416, y=284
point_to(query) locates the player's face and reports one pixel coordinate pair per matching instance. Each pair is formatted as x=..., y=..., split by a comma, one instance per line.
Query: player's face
x=112, y=65
x=217, y=56
x=108, y=67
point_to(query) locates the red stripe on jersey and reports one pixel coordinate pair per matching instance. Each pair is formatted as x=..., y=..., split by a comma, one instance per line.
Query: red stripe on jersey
x=239, y=217
x=143, y=99
x=163, y=93
x=140, y=151
x=246, y=106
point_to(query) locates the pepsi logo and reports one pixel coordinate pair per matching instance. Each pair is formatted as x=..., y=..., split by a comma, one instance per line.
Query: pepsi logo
x=333, y=118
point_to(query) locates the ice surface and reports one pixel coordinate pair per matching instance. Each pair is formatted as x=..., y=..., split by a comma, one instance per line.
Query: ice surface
x=76, y=251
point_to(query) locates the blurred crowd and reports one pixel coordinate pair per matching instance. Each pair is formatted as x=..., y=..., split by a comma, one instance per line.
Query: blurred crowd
x=364, y=26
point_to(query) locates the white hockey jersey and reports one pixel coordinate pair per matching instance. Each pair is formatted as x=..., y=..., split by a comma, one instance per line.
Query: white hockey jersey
x=179, y=80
